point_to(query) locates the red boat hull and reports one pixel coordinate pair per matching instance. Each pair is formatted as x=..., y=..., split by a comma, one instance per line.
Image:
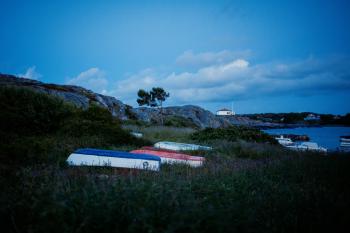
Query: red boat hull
x=168, y=156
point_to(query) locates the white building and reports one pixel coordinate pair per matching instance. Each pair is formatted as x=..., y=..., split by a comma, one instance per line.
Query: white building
x=312, y=117
x=225, y=112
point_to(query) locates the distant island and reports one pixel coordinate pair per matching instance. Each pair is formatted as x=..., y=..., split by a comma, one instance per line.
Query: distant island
x=301, y=119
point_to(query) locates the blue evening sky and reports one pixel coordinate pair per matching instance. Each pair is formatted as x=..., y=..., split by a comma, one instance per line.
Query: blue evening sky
x=264, y=56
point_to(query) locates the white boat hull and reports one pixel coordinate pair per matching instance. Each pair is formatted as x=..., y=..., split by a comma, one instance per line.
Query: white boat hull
x=181, y=161
x=94, y=160
x=306, y=148
x=284, y=141
x=345, y=144
x=180, y=146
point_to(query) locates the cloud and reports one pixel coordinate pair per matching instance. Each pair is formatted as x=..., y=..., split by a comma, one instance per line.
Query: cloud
x=237, y=79
x=93, y=79
x=191, y=60
x=31, y=73
x=126, y=89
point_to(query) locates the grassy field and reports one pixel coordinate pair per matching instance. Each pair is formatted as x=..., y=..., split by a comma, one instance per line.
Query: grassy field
x=299, y=194
x=162, y=133
x=248, y=183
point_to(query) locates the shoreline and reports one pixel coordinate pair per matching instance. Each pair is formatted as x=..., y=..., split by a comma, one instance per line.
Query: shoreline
x=327, y=136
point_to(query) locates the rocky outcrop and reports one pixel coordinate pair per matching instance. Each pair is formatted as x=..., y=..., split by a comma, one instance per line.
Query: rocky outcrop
x=76, y=95
x=82, y=97
x=199, y=116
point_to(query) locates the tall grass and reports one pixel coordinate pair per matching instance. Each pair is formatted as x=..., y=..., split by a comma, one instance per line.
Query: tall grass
x=162, y=133
x=307, y=194
x=233, y=133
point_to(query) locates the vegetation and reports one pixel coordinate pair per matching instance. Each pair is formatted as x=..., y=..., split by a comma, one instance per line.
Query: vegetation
x=247, y=184
x=179, y=121
x=154, y=98
x=233, y=133
x=162, y=133
x=36, y=128
x=168, y=120
x=298, y=118
x=129, y=113
x=303, y=194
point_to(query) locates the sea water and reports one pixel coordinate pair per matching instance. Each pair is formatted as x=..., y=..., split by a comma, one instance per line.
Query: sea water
x=328, y=137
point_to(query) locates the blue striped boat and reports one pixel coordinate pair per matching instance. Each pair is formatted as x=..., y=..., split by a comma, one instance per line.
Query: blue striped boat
x=96, y=157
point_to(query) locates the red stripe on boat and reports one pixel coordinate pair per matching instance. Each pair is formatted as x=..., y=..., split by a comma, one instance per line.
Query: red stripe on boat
x=168, y=154
x=160, y=149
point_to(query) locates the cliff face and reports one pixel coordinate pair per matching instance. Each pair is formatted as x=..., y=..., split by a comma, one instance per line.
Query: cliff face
x=82, y=97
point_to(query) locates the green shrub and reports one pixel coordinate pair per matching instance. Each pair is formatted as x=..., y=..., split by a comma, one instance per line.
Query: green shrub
x=179, y=121
x=26, y=112
x=36, y=128
x=233, y=133
x=158, y=133
x=129, y=113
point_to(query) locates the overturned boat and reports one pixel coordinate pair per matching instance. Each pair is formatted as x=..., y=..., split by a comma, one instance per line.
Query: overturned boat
x=345, y=143
x=180, y=146
x=308, y=146
x=171, y=157
x=284, y=141
x=120, y=159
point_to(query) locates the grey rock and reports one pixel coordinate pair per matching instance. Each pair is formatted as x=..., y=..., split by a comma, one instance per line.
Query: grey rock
x=76, y=95
x=199, y=116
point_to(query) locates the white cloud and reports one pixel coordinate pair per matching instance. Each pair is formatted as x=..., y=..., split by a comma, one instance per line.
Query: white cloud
x=31, y=73
x=237, y=79
x=189, y=59
x=93, y=79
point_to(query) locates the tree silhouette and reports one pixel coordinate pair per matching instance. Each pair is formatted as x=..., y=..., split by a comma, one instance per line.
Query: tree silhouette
x=154, y=98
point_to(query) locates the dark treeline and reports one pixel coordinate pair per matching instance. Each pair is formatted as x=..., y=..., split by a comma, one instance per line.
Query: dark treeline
x=299, y=118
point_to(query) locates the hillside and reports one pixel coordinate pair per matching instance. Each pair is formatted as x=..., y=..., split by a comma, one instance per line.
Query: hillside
x=79, y=96
x=83, y=98
x=200, y=117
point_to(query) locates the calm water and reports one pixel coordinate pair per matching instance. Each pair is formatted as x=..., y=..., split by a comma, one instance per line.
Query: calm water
x=324, y=136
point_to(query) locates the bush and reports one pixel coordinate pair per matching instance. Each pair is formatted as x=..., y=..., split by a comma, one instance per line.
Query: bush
x=36, y=127
x=129, y=113
x=162, y=133
x=26, y=112
x=233, y=133
x=179, y=121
